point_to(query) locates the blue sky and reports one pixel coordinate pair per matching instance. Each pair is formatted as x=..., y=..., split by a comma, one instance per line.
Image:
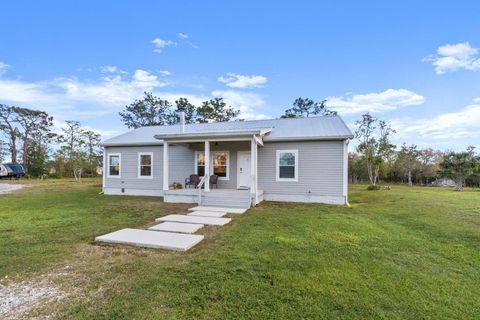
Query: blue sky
x=416, y=64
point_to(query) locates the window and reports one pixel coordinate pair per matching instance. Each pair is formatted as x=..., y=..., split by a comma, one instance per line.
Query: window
x=287, y=165
x=114, y=163
x=145, y=165
x=200, y=163
x=219, y=163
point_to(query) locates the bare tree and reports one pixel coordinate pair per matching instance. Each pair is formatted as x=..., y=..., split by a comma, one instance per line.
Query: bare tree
x=408, y=156
x=374, y=136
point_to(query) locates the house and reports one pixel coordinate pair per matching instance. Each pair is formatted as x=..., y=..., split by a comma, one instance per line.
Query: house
x=298, y=160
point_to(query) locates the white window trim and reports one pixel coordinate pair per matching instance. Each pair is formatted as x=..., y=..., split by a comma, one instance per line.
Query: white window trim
x=119, y=165
x=140, y=154
x=212, y=154
x=277, y=166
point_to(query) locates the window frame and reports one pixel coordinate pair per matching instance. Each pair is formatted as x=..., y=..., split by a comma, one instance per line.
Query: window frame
x=119, y=165
x=277, y=166
x=140, y=154
x=212, y=153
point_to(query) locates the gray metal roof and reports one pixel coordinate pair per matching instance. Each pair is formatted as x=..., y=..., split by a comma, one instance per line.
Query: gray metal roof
x=313, y=128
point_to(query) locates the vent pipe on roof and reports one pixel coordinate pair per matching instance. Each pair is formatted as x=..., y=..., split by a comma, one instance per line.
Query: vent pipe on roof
x=182, y=121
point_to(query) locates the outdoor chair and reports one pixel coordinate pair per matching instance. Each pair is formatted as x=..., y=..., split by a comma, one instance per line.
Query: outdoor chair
x=214, y=181
x=193, y=180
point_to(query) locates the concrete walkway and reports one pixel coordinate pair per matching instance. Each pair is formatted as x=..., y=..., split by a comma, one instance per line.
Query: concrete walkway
x=175, y=232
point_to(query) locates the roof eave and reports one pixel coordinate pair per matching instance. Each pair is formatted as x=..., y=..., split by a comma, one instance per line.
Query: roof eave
x=309, y=138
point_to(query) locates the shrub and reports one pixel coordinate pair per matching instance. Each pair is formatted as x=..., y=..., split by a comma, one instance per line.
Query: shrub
x=373, y=188
x=55, y=175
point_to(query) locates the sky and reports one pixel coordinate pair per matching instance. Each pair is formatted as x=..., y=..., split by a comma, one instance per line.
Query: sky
x=415, y=64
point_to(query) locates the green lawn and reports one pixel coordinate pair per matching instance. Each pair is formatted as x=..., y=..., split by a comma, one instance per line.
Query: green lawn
x=407, y=253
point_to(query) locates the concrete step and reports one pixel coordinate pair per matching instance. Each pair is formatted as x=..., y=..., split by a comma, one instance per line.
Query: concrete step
x=221, y=209
x=215, y=214
x=177, y=227
x=152, y=239
x=194, y=219
x=225, y=203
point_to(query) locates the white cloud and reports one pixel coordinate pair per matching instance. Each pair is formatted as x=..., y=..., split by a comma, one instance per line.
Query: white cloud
x=69, y=97
x=160, y=44
x=182, y=35
x=81, y=99
x=146, y=80
x=453, y=57
x=249, y=104
x=449, y=126
x=388, y=100
x=3, y=67
x=234, y=80
x=164, y=72
x=112, y=69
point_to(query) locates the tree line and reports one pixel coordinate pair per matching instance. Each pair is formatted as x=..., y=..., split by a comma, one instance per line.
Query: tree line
x=376, y=158
x=26, y=137
x=155, y=111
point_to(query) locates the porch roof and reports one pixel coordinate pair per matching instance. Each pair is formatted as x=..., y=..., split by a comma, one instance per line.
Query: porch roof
x=223, y=134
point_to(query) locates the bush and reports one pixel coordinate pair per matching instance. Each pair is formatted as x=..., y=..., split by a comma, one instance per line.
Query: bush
x=373, y=188
x=55, y=175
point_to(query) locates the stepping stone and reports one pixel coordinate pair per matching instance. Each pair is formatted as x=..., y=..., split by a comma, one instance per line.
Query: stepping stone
x=216, y=214
x=194, y=219
x=152, y=239
x=177, y=227
x=227, y=210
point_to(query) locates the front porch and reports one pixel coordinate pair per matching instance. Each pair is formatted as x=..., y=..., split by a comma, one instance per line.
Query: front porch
x=214, y=197
x=230, y=157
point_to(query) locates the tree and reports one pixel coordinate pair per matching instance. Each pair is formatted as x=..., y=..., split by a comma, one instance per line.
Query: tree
x=149, y=111
x=408, y=157
x=3, y=151
x=71, y=141
x=459, y=166
x=7, y=126
x=216, y=110
x=429, y=161
x=92, y=142
x=33, y=123
x=183, y=105
x=304, y=108
x=375, y=150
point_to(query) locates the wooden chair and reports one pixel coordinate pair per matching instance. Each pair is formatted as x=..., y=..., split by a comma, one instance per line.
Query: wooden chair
x=193, y=180
x=213, y=181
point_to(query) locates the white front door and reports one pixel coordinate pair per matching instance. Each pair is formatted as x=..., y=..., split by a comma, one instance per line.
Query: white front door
x=243, y=169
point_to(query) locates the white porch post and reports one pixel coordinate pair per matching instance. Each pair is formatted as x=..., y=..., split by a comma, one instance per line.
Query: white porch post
x=165, y=166
x=253, y=170
x=207, y=165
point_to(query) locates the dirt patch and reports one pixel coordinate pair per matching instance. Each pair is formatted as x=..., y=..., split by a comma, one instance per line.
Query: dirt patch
x=8, y=188
x=18, y=299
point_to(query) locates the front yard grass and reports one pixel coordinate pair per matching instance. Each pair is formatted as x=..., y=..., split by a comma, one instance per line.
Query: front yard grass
x=407, y=253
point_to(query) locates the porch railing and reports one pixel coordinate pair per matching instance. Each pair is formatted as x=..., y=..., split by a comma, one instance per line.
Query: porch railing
x=199, y=186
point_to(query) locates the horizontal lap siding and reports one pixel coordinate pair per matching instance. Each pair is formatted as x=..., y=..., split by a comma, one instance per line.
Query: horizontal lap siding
x=180, y=162
x=320, y=168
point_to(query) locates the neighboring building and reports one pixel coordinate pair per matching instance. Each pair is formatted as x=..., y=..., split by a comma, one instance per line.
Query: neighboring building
x=299, y=160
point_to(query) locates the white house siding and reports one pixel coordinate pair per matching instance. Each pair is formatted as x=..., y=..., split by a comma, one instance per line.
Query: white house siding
x=320, y=172
x=181, y=165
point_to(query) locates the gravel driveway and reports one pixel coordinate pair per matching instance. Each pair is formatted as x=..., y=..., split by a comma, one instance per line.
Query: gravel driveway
x=7, y=188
